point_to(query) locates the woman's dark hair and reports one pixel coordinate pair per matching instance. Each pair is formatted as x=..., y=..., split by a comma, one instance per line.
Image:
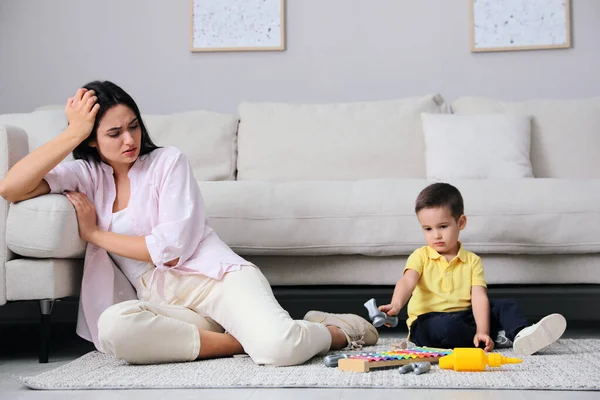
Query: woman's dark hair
x=110, y=95
x=441, y=195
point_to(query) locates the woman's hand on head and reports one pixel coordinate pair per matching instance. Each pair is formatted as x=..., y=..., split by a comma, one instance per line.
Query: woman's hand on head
x=81, y=111
x=86, y=214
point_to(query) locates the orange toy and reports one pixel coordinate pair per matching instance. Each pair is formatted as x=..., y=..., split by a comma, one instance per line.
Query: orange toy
x=474, y=359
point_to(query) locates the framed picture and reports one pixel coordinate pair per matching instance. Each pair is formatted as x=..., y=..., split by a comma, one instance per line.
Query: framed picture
x=507, y=25
x=237, y=25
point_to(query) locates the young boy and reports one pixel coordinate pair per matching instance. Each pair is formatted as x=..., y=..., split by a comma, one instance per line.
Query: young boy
x=449, y=306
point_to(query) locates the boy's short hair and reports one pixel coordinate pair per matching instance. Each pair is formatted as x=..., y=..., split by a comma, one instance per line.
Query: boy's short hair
x=441, y=195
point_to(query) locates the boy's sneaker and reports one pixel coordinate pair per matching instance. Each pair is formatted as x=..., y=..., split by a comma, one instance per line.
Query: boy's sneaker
x=502, y=342
x=537, y=336
x=358, y=330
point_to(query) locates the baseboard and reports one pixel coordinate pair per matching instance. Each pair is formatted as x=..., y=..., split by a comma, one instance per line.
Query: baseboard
x=578, y=303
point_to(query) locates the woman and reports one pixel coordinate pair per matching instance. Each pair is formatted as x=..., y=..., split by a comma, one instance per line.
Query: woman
x=158, y=283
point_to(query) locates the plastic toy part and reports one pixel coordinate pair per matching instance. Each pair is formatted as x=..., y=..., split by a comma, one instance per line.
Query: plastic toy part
x=332, y=360
x=474, y=359
x=418, y=368
x=379, y=318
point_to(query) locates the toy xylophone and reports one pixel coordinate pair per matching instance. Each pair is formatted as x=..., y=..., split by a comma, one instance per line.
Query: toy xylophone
x=364, y=362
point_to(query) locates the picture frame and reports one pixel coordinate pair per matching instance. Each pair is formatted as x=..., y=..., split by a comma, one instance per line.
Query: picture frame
x=515, y=25
x=237, y=25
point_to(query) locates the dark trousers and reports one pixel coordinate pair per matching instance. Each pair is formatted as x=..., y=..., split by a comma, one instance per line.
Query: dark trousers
x=457, y=329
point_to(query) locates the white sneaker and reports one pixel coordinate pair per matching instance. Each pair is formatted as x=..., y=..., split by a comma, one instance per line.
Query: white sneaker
x=537, y=336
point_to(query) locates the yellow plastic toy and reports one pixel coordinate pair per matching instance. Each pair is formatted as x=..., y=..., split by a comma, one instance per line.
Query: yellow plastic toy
x=474, y=359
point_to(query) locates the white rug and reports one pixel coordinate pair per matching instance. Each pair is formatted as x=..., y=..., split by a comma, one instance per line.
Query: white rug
x=570, y=364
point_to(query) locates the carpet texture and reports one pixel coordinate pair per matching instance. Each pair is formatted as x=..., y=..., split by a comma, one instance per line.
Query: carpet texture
x=570, y=364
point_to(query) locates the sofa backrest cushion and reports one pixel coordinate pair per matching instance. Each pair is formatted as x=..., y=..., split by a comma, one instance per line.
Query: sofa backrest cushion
x=41, y=126
x=346, y=141
x=565, y=134
x=207, y=138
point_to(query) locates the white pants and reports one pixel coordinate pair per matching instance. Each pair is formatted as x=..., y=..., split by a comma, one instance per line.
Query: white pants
x=158, y=330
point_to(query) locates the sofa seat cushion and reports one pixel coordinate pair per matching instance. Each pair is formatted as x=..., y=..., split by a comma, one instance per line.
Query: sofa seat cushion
x=371, y=217
x=44, y=227
x=376, y=217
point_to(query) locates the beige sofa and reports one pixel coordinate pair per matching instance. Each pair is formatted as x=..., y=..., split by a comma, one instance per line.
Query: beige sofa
x=322, y=196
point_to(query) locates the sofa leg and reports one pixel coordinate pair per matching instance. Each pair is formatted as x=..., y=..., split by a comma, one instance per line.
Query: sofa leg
x=45, y=311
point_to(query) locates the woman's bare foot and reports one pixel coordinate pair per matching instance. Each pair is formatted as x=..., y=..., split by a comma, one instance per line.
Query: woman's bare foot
x=338, y=338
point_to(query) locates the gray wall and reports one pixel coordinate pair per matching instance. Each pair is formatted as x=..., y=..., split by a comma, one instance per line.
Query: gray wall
x=337, y=50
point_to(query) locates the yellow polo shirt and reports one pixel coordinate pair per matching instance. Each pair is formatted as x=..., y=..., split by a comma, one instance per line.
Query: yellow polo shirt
x=443, y=286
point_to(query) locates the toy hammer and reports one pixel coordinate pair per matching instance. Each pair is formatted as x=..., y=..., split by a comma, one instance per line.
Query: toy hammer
x=378, y=317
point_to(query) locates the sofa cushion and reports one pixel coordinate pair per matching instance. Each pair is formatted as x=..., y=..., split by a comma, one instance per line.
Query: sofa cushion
x=41, y=126
x=376, y=217
x=565, y=134
x=347, y=141
x=371, y=217
x=487, y=146
x=208, y=139
x=44, y=227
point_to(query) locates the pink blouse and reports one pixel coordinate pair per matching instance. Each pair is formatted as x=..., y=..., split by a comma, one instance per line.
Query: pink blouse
x=165, y=206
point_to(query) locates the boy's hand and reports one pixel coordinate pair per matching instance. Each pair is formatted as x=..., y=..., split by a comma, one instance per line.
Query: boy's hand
x=486, y=339
x=390, y=309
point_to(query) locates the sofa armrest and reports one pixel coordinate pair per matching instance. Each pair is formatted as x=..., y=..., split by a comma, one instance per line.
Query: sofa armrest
x=44, y=227
x=14, y=145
